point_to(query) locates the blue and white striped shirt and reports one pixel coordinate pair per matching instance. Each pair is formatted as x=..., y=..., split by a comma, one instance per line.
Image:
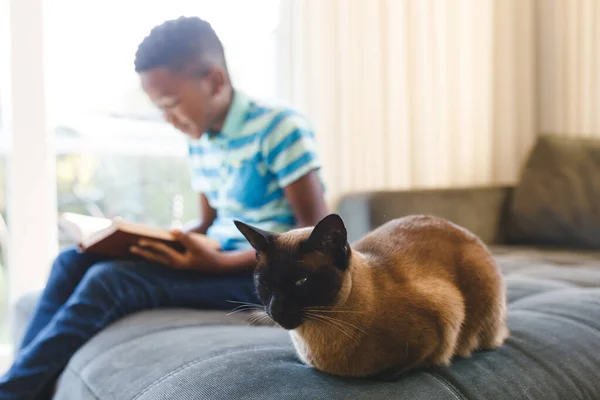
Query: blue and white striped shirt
x=243, y=169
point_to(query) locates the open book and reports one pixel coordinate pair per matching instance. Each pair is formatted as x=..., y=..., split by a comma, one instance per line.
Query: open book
x=114, y=237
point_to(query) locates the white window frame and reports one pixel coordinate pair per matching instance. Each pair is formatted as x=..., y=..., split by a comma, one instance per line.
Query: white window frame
x=31, y=201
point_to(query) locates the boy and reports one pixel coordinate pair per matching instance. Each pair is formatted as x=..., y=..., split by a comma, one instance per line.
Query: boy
x=249, y=162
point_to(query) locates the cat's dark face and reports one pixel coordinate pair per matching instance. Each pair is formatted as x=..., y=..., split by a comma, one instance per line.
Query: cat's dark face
x=299, y=271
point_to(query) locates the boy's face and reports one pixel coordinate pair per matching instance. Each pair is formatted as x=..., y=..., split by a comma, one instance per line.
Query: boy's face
x=190, y=103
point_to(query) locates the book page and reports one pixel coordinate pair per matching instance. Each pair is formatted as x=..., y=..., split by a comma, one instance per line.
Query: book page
x=86, y=225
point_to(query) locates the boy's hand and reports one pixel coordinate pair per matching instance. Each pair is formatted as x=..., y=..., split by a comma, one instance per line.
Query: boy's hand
x=197, y=255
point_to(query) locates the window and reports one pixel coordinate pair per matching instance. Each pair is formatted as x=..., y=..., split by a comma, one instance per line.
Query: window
x=115, y=156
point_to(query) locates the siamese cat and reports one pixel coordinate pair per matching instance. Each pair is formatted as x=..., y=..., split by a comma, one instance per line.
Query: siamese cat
x=415, y=292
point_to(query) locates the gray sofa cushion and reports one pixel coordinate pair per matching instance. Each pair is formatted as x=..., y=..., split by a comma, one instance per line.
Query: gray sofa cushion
x=552, y=354
x=581, y=268
x=557, y=201
x=20, y=315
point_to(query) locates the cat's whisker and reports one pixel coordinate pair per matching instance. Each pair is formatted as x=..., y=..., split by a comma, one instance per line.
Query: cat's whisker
x=349, y=324
x=331, y=323
x=249, y=306
x=336, y=319
x=254, y=317
x=241, y=308
x=317, y=318
x=265, y=318
x=261, y=313
x=244, y=307
x=238, y=311
x=343, y=323
x=261, y=318
x=338, y=328
x=333, y=311
x=244, y=303
x=333, y=308
x=258, y=317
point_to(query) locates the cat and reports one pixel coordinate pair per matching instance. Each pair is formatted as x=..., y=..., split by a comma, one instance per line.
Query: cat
x=415, y=292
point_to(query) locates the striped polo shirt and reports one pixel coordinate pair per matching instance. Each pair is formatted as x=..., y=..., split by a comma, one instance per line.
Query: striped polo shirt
x=243, y=169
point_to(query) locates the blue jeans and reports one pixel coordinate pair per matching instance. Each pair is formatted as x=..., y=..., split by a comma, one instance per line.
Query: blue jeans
x=86, y=292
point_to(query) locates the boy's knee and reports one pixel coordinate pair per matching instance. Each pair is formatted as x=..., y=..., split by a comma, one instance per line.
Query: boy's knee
x=68, y=254
x=109, y=278
x=74, y=262
x=68, y=259
x=110, y=285
x=105, y=272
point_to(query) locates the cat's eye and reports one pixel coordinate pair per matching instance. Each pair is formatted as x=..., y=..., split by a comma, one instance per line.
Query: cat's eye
x=301, y=282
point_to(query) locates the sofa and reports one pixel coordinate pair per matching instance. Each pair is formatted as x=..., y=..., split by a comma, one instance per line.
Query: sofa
x=553, y=286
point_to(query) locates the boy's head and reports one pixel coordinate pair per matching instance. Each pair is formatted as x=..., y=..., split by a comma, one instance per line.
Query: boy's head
x=182, y=67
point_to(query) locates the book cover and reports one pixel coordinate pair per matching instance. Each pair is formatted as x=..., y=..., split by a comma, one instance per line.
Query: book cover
x=114, y=237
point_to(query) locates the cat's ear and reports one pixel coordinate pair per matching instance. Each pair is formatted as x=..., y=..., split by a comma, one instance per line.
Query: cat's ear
x=329, y=231
x=330, y=237
x=257, y=238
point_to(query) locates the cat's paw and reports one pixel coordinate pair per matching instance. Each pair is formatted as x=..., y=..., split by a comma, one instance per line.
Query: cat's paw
x=496, y=339
x=465, y=354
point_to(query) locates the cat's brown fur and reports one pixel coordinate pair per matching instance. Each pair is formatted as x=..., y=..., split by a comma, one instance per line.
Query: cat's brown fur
x=417, y=291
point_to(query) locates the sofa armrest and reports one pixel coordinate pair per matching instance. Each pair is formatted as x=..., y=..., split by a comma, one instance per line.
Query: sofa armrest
x=20, y=314
x=479, y=209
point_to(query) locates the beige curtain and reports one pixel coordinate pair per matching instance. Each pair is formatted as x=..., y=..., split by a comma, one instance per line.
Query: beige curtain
x=436, y=93
x=569, y=66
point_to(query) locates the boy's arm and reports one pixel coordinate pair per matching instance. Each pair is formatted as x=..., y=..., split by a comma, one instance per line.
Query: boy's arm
x=307, y=199
x=208, y=216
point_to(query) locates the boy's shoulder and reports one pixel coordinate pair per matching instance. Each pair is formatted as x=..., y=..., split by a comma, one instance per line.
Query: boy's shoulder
x=275, y=114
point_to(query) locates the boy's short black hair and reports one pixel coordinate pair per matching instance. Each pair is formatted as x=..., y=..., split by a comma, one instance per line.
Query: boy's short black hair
x=175, y=43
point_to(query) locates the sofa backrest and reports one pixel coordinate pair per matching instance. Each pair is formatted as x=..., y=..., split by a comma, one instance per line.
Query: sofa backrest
x=482, y=210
